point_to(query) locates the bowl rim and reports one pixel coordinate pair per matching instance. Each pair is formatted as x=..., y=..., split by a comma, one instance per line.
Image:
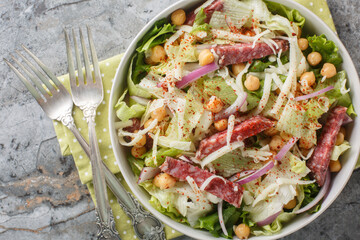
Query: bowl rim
x=187, y=230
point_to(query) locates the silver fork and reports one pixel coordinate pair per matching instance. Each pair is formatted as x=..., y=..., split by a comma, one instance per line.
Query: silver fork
x=57, y=104
x=146, y=226
x=87, y=93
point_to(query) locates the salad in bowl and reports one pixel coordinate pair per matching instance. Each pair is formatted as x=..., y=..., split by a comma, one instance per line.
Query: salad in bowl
x=234, y=117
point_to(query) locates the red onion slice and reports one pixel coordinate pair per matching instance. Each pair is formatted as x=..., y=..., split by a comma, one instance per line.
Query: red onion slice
x=239, y=175
x=322, y=193
x=236, y=106
x=221, y=218
x=281, y=154
x=268, y=220
x=195, y=75
x=267, y=167
x=140, y=100
x=148, y=173
x=311, y=95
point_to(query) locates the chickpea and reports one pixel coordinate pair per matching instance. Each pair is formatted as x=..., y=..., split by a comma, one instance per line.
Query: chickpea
x=276, y=143
x=206, y=57
x=237, y=68
x=157, y=55
x=137, y=152
x=158, y=114
x=291, y=204
x=242, y=231
x=305, y=144
x=328, y=70
x=340, y=139
x=278, y=91
x=303, y=44
x=178, y=17
x=141, y=142
x=214, y=105
x=271, y=131
x=335, y=166
x=285, y=136
x=252, y=83
x=221, y=125
x=164, y=181
x=314, y=58
x=307, y=79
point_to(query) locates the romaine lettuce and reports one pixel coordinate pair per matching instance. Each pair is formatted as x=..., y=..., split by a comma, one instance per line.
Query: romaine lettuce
x=199, y=23
x=292, y=14
x=231, y=215
x=161, y=31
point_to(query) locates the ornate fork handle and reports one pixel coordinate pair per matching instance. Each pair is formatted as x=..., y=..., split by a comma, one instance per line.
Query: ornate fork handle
x=104, y=218
x=146, y=226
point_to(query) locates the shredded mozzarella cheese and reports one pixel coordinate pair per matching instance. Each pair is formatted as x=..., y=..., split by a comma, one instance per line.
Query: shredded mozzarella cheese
x=290, y=80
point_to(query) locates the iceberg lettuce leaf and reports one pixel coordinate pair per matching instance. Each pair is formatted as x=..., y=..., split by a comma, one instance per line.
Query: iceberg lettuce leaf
x=161, y=154
x=339, y=150
x=124, y=112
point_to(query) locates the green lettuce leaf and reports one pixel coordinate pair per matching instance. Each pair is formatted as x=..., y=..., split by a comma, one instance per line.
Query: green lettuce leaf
x=231, y=215
x=339, y=150
x=338, y=82
x=136, y=165
x=139, y=69
x=161, y=31
x=351, y=111
x=158, y=197
x=124, y=112
x=326, y=48
x=310, y=191
x=298, y=166
x=161, y=154
x=199, y=23
x=292, y=14
x=218, y=87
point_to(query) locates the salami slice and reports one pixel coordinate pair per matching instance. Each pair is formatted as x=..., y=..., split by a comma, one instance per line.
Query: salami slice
x=241, y=131
x=244, y=52
x=320, y=160
x=217, y=5
x=218, y=186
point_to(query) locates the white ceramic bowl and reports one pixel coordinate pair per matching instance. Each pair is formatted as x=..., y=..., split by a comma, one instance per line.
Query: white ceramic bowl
x=313, y=25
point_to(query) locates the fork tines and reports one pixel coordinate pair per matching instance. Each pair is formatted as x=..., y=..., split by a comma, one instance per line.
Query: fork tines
x=44, y=87
x=88, y=72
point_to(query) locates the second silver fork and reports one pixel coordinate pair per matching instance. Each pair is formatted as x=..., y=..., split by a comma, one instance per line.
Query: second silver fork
x=87, y=93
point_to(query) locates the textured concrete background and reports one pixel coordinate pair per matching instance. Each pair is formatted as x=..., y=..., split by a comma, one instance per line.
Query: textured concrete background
x=40, y=194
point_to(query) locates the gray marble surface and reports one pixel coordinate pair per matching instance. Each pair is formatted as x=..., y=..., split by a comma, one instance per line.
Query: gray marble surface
x=41, y=196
